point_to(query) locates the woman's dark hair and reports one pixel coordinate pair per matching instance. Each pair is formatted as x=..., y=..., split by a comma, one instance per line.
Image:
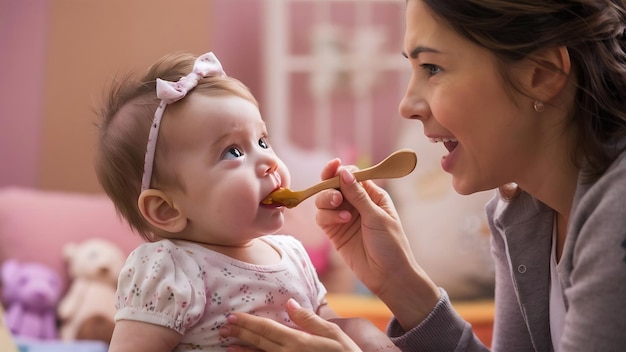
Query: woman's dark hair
x=592, y=31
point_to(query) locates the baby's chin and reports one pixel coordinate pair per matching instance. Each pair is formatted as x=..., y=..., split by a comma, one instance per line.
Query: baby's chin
x=275, y=223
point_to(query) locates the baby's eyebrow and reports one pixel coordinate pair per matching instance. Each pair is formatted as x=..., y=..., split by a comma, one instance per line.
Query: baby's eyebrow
x=220, y=139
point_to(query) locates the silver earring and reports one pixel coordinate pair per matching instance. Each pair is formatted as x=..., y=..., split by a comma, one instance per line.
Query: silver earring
x=539, y=107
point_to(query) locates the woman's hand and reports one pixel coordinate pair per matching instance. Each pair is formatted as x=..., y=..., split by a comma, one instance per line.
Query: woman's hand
x=363, y=225
x=265, y=334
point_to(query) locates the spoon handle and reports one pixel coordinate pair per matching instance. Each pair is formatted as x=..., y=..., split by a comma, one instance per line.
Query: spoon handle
x=398, y=164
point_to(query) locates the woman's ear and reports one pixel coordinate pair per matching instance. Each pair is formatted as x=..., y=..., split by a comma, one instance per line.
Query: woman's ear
x=160, y=211
x=549, y=72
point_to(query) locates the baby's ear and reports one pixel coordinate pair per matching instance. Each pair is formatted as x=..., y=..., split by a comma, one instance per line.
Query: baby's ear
x=160, y=211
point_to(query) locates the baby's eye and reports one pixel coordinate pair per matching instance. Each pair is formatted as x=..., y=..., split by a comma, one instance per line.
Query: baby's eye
x=431, y=69
x=263, y=143
x=232, y=153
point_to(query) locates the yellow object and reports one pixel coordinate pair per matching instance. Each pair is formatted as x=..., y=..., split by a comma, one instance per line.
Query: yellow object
x=6, y=341
x=398, y=164
x=479, y=313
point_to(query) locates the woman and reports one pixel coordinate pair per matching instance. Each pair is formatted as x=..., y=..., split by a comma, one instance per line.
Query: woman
x=528, y=97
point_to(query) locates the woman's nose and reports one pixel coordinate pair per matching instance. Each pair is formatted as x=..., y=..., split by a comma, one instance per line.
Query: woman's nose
x=413, y=105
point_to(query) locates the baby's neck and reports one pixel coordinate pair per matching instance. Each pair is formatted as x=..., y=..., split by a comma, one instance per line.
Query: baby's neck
x=255, y=251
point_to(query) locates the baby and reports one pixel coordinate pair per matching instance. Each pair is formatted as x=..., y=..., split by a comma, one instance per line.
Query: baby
x=196, y=197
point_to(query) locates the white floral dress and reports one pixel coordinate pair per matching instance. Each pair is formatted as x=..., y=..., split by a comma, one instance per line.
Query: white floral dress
x=191, y=289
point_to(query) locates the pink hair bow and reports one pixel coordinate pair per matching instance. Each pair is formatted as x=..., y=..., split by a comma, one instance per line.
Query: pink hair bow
x=206, y=65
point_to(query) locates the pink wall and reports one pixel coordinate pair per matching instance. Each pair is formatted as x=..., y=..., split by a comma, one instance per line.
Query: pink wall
x=238, y=39
x=26, y=132
x=24, y=28
x=56, y=58
x=237, y=27
x=22, y=34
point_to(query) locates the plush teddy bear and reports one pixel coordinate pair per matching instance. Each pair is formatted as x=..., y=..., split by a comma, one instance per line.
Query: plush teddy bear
x=88, y=308
x=31, y=292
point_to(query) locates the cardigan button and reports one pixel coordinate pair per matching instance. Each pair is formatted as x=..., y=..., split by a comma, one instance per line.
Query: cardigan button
x=521, y=268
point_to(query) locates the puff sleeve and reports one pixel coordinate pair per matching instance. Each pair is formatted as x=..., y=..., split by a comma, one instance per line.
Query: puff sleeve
x=161, y=284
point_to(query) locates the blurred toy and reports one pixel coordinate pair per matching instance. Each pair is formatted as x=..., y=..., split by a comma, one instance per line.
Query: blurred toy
x=88, y=308
x=31, y=292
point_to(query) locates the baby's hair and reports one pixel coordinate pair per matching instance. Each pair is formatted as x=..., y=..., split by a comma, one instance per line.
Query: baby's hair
x=125, y=120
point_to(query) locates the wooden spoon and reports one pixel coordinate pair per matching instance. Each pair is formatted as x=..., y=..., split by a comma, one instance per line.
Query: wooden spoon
x=398, y=164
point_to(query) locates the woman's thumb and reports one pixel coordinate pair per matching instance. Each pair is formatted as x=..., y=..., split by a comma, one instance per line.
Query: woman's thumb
x=307, y=320
x=354, y=192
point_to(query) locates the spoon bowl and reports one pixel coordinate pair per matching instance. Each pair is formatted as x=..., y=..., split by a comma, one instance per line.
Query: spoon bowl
x=398, y=164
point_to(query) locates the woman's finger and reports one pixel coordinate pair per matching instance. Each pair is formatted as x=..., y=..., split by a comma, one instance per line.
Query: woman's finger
x=263, y=333
x=329, y=199
x=310, y=322
x=331, y=168
x=366, y=197
x=268, y=335
x=314, y=324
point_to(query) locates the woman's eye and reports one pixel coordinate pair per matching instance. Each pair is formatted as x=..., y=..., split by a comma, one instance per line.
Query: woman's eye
x=431, y=69
x=233, y=153
x=263, y=143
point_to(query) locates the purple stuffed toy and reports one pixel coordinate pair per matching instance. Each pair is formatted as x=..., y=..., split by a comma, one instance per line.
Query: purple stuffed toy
x=31, y=292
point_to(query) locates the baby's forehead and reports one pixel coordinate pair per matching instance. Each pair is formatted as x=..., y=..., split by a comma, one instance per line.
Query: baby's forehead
x=207, y=117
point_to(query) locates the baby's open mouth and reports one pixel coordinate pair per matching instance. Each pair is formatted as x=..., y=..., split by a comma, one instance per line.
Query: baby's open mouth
x=267, y=201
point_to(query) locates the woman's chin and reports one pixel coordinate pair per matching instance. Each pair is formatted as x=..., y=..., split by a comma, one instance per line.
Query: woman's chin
x=463, y=187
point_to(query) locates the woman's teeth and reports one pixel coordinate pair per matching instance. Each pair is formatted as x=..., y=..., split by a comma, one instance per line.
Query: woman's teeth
x=441, y=139
x=449, y=143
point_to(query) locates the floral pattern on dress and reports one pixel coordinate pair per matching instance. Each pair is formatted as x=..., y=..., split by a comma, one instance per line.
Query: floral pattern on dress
x=190, y=289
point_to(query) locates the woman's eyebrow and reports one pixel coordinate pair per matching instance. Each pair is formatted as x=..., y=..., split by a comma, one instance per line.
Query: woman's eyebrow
x=418, y=50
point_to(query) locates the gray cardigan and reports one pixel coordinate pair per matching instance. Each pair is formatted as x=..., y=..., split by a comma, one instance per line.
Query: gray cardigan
x=592, y=270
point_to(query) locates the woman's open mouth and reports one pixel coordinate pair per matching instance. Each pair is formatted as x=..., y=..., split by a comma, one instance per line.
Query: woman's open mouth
x=449, y=143
x=447, y=161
